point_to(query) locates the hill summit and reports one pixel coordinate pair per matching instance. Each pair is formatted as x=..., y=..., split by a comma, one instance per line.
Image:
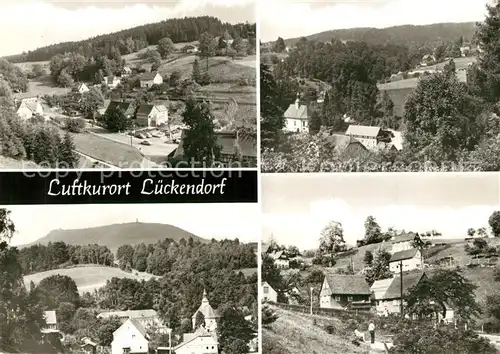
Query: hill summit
x=116, y=235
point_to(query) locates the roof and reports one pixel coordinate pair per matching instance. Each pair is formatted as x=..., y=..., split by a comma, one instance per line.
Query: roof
x=348, y=284
x=50, y=317
x=379, y=287
x=401, y=255
x=129, y=314
x=200, y=332
x=126, y=107
x=147, y=108
x=341, y=142
x=205, y=308
x=148, y=76
x=363, y=130
x=409, y=281
x=126, y=68
x=407, y=236
x=299, y=112
x=278, y=255
x=31, y=105
x=136, y=324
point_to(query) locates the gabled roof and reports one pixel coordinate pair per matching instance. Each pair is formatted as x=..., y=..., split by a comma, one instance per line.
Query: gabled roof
x=200, y=332
x=363, y=130
x=126, y=107
x=409, y=281
x=295, y=112
x=32, y=106
x=402, y=255
x=342, y=142
x=140, y=328
x=148, y=76
x=278, y=255
x=205, y=308
x=50, y=317
x=380, y=287
x=348, y=284
x=145, y=109
x=407, y=236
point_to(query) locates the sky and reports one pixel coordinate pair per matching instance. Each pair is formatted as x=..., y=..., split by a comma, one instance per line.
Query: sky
x=301, y=18
x=209, y=221
x=30, y=24
x=296, y=207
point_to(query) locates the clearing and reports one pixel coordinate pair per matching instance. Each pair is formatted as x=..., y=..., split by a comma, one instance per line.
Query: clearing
x=297, y=333
x=88, y=278
x=248, y=272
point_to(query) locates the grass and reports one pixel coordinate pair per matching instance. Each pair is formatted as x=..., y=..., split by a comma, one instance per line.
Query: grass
x=247, y=272
x=297, y=333
x=7, y=163
x=103, y=149
x=88, y=278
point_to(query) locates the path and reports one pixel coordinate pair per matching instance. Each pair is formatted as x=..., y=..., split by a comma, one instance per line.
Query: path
x=379, y=347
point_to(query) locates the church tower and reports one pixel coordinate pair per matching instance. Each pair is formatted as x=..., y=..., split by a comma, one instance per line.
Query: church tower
x=210, y=315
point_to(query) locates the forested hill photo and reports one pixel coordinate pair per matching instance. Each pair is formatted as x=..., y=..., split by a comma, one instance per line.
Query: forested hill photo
x=131, y=40
x=116, y=235
x=402, y=35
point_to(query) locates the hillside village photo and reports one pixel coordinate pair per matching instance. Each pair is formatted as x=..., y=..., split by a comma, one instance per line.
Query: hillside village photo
x=380, y=263
x=136, y=86
x=392, y=87
x=132, y=279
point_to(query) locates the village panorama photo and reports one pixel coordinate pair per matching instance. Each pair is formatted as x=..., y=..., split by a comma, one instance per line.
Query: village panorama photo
x=380, y=86
x=128, y=84
x=143, y=279
x=381, y=263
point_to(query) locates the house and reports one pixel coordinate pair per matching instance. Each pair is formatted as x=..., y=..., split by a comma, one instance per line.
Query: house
x=81, y=88
x=149, y=115
x=281, y=259
x=130, y=337
x=403, y=242
x=104, y=107
x=234, y=147
x=191, y=49
x=346, y=145
x=88, y=346
x=126, y=107
x=111, y=81
x=146, y=318
x=204, y=339
x=28, y=109
x=297, y=117
x=149, y=79
x=199, y=342
x=428, y=59
x=369, y=136
x=409, y=259
x=209, y=314
x=387, y=292
x=126, y=71
x=342, y=291
x=51, y=321
x=268, y=293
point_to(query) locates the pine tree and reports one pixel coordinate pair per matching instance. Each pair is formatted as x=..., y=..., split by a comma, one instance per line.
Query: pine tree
x=314, y=122
x=67, y=156
x=196, y=75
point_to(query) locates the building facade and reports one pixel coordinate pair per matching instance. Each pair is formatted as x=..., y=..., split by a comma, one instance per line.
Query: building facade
x=369, y=136
x=151, y=115
x=130, y=337
x=409, y=259
x=268, y=293
x=297, y=118
x=341, y=291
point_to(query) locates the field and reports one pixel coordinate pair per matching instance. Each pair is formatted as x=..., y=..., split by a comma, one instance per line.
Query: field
x=297, y=333
x=247, y=272
x=460, y=63
x=88, y=278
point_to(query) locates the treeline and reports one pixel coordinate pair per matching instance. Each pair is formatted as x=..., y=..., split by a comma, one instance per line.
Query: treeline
x=39, y=258
x=187, y=29
x=169, y=256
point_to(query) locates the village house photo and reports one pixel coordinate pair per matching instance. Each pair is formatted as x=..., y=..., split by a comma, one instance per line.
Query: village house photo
x=403, y=254
x=118, y=94
x=119, y=279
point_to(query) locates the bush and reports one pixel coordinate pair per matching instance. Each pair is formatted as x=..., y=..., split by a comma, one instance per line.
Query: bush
x=75, y=125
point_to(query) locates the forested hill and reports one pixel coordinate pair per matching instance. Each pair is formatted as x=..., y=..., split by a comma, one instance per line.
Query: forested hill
x=127, y=41
x=113, y=236
x=403, y=35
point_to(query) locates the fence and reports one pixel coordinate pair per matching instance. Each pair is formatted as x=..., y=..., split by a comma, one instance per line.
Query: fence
x=338, y=313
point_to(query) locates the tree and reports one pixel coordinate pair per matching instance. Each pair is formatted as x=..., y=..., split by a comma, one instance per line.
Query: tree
x=91, y=101
x=420, y=244
x=237, y=346
x=387, y=105
x=271, y=114
x=440, y=118
x=207, y=46
x=196, y=75
x=446, y=287
x=494, y=222
x=314, y=122
x=368, y=259
x=233, y=327
x=65, y=79
x=373, y=232
x=56, y=289
x=106, y=328
x=37, y=71
x=379, y=268
x=279, y=45
x=471, y=232
x=115, y=120
x=165, y=47
x=154, y=58
x=239, y=46
x=450, y=68
x=200, y=141
x=67, y=157
x=331, y=240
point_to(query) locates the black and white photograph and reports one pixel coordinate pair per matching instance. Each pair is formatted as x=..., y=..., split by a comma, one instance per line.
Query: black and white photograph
x=380, y=263
x=379, y=85
x=136, y=278
x=126, y=84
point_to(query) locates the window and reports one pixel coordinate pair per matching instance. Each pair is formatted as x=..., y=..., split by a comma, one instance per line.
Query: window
x=295, y=123
x=349, y=298
x=266, y=290
x=337, y=298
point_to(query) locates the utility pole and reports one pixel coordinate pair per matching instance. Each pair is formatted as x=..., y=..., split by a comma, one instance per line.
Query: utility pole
x=311, y=300
x=401, y=287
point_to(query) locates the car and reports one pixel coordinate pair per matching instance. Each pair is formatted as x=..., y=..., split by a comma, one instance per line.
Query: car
x=145, y=142
x=148, y=135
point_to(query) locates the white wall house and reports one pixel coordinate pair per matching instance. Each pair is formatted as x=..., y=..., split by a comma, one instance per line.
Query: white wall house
x=149, y=79
x=403, y=242
x=369, y=136
x=82, y=88
x=130, y=337
x=411, y=259
x=147, y=317
x=151, y=115
x=281, y=259
x=341, y=291
x=28, y=109
x=297, y=118
x=200, y=342
x=268, y=293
